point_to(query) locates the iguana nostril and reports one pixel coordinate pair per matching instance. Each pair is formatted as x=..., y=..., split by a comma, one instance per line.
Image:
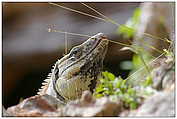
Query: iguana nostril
x=104, y=37
x=101, y=36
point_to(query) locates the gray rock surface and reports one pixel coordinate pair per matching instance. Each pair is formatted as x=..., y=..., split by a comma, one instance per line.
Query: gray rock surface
x=161, y=104
x=5, y=113
x=90, y=107
x=35, y=106
x=163, y=75
x=48, y=106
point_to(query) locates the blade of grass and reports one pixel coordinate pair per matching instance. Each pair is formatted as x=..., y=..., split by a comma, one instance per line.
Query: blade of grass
x=155, y=37
x=144, y=66
x=66, y=44
x=111, y=20
x=114, y=22
x=107, y=19
x=59, y=31
x=70, y=9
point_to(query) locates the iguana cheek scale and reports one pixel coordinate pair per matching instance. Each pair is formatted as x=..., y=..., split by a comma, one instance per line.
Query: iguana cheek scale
x=77, y=71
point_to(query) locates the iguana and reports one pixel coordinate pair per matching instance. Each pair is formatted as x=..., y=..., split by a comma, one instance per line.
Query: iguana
x=77, y=71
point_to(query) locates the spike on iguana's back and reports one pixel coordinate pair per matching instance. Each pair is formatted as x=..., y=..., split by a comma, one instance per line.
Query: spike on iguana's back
x=43, y=88
x=45, y=84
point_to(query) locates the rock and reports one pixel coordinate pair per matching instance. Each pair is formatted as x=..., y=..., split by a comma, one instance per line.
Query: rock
x=48, y=106
x=169, y=80
x=39, y=105
x=125, y=113
x=87, y=97
x=5, y=113
x=161, y=104
x=87, y=106
x=163, y=75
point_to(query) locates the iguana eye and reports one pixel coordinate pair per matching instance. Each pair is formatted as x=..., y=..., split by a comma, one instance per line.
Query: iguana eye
x=76, y=52
x=93, y=38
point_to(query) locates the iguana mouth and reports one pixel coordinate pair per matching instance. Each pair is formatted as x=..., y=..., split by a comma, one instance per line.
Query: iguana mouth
x=95, y=45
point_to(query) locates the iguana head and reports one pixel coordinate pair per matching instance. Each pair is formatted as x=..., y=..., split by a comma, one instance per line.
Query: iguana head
x=81, y=57
x=79, y=70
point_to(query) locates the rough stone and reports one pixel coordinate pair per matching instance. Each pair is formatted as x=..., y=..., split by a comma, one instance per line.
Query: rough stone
x=48, y=106
x=35, y=106
x=5, y=113
x=87, y=106
x=161, y=104
x=163, y=75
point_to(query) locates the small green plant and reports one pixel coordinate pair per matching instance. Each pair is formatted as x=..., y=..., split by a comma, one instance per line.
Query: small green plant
x=110, y=85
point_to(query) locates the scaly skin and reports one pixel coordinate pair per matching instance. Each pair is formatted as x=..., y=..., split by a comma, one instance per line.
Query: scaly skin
x=77, y=71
